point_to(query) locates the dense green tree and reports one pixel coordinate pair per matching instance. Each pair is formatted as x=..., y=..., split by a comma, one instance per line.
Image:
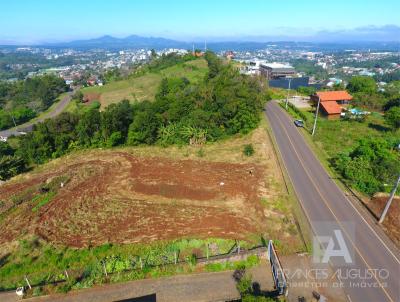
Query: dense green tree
x=144, y=128
x=306, y=90
x=214, y=64
x=11, y=166
x=362, y=84
x=115, y=139
x=391, y=103
x=5, y=149
x=372, y=164
x=392, y=117
x=89, y=127
x=116, y=118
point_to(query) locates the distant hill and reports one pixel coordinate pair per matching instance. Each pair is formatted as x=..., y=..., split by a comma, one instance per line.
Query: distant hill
x=325, y=42
x=133, y=41
x=137, y=42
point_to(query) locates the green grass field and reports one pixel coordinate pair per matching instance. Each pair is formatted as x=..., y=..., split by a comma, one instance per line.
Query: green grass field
x=145, y=87
x=335, y=136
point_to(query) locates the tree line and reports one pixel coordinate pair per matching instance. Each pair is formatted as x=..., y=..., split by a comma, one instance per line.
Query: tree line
x=223, y=104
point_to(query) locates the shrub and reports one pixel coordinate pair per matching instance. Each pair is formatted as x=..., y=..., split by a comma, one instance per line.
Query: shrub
x=200, y=153
x=115, y=139
x=244, y=285
x=248, y=150
x=37, y=291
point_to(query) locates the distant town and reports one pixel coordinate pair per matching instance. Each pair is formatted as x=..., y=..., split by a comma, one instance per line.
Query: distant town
x=278, y=64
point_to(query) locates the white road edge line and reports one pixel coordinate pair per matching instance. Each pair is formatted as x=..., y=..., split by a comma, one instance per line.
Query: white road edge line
x=369, y=226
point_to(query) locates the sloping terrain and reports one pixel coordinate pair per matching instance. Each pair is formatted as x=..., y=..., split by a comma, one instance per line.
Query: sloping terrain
x=145, y=87
x=146, y=194
x=144, y=202
x=120, y=198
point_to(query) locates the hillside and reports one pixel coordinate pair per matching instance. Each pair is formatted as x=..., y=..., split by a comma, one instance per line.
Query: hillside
x=139, y=199
x=144, y=87
x=132, y=41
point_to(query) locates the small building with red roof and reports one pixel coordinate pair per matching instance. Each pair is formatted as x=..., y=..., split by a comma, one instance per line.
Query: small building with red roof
x=332, y=102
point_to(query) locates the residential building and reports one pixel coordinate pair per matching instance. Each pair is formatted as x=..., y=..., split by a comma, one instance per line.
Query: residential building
x=277, y=70
x=332, y=102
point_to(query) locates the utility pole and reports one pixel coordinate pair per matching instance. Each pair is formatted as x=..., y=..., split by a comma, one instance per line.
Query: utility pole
x=389, y=202
x=287, y=97
x=316, y=117
x=205, y=45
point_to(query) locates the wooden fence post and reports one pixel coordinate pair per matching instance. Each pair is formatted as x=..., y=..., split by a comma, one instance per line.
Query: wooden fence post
x=27, y=282
x=207, y=253
x=66, y=274
x=141, y=262
x=176, y=257
x=105, y=269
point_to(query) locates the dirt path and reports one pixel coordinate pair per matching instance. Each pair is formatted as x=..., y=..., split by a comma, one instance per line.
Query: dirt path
x=218, y=286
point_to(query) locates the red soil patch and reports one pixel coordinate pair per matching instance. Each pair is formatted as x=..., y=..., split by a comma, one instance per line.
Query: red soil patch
x=120, y=198
x=391, y=224
x=90, y=97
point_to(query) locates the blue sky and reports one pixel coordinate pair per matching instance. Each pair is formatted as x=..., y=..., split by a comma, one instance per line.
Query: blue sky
x=56, y=20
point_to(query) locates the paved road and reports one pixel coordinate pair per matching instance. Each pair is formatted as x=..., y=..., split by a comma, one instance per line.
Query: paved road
x=323, y=201
x=59, y=107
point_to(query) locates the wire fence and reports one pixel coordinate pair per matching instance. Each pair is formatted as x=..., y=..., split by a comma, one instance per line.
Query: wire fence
x=108, y=266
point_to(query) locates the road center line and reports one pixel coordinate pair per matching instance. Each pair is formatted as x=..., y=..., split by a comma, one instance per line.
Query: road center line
x=325, y=201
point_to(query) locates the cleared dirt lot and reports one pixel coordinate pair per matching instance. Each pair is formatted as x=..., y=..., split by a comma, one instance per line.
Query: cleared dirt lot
x=145, y=194
x=122, y=198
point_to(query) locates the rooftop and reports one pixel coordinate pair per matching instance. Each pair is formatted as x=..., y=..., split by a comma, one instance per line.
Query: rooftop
x=334, y=95
x=331, y=107
x=277, y=65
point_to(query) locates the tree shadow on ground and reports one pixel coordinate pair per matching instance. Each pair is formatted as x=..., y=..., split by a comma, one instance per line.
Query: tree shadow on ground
x=4, y=259
x=258, y=292
x=378, y=127
x=148, y=298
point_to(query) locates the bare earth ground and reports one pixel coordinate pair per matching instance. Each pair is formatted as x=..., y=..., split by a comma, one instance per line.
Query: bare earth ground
x=391, y=224
x=145, y=194
x=121, y=198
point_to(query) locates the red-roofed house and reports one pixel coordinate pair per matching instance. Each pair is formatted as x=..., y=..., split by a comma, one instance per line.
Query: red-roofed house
x=332, y=102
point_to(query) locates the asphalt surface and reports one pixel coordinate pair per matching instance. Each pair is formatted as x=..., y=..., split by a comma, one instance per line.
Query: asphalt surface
x=28, y=126
x=374, y=271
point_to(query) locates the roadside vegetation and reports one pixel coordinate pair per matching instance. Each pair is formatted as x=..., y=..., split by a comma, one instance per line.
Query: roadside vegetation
x=364, y=151
x=249, y=291
x=45, y=264
x=23, y=100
